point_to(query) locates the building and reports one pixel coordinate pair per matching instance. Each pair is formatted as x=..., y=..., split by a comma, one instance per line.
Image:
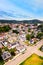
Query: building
x=31, y=41
x=22, y=37
x=12, y=45
x=6, y=55
x=1, y=46
x=5, y=43
x=21, y=48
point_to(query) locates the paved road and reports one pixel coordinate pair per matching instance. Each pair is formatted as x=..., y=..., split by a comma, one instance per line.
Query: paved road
x=30, y=50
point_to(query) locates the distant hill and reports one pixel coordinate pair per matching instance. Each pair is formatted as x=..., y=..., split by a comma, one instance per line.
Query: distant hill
x=23, y=21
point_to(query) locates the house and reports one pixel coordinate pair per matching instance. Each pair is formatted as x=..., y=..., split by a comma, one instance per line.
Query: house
x=12, y=45
x=4, y=43
x=22, y=37
x=1, y=46
x=16, y=52
x=12, y=39
x=21, y=48
x=32, y=41
x=2, y=36
x=6, y=55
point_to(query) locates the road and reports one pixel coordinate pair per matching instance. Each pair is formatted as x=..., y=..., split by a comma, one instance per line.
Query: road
x=30, y=50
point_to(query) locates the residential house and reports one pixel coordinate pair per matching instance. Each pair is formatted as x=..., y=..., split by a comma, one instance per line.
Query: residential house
x=12, y=45
x=4, y=43
x=21, y=48
x=1, y=46
x=31, y=41
x=6, y=55
x=22, y=37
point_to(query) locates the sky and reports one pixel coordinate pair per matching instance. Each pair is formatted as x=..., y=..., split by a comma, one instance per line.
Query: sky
x=21, y=9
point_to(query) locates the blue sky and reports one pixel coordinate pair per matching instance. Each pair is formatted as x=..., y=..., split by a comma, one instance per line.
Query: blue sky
x=21, y=9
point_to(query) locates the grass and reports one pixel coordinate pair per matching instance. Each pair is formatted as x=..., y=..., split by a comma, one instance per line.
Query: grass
x=33, y=60
x=27, y=42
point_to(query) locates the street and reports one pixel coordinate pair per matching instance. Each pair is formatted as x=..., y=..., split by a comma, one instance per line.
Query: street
x=30, y=50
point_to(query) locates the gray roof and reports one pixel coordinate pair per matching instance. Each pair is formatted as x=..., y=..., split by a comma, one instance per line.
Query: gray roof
x=6, y=55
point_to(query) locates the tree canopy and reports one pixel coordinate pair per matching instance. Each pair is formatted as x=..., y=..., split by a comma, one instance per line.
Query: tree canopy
x=40, y=27
x=15, y=31
x=5, y=28
x=40, y=35
x=28, y=36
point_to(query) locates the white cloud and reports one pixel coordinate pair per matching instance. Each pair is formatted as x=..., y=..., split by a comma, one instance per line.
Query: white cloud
x=13, y=9
x=34, y=4
x=17, y=12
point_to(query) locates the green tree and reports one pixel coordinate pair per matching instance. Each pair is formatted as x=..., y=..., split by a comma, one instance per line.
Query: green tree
x=40, y=35
x=28, y=29
x=32, y=35
x=1, y=60
x=12, y=51
x=40, y=27
x=0, y=52
x=28, y=36
x=15, y=31
x=6, y=49
x=5, y=28
x=41, y=48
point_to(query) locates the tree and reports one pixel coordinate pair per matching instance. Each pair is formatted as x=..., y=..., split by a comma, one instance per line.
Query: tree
x=5, y=28
x=17, y=26
x=41, y=48
x=28, y=36
x=15, y=31
x=40, y=27
x=6, y=49
x=1, y=60
x=29, y=29
x=40, y=35
x=32, y=35
x=12, y=51
x=0, y=52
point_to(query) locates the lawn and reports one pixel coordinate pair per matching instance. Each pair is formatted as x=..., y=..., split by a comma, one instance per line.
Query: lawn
x=33, y=60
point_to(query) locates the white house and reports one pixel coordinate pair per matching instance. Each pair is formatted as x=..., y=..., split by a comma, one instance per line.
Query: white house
x=5, y=43
x=20, y=48
x=22, y=37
